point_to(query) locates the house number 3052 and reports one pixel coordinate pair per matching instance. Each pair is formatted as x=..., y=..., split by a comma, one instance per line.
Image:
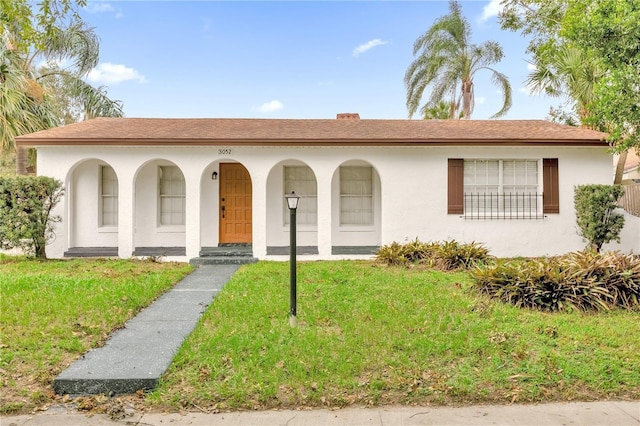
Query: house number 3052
x=225, y=151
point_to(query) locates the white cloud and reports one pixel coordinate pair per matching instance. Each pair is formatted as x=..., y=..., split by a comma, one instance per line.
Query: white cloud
x=490, y=10
x=368, y=45
x=480, y=100
x=530, y=66
x=525, y=90
x=102, y=7
x=109, y=73
x=271, y=106
x=98, y=7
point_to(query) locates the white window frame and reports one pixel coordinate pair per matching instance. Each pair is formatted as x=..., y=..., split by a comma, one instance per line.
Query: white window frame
x=306, y=187
x=498, y=186
x=175, y=192
x=108, y=195
x=366, y=215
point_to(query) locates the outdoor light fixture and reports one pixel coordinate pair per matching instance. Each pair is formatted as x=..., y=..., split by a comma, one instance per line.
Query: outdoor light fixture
x=292, y=200
x=214, y=176
x=292, y=203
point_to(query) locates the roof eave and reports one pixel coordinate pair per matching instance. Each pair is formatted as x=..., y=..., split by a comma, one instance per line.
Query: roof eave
x=305, y=142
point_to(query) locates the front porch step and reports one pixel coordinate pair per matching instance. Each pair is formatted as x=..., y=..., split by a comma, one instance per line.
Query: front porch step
x=225, y=254
x=227, y=251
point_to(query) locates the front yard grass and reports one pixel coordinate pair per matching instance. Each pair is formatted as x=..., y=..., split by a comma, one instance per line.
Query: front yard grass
x=369, y=334
x=51, y=312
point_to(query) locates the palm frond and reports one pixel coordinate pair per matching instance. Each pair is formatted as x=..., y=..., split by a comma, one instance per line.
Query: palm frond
x=94, y=99
x=501, y=80
x=543, y=79
x=22, y=110
x=77, y=42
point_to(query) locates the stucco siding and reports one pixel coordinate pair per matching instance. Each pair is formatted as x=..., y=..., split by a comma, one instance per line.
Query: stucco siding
x=409, y=197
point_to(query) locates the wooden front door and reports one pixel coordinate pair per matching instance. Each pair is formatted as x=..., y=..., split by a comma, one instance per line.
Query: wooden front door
x=235, y=204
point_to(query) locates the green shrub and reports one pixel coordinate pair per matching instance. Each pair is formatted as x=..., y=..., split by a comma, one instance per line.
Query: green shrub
x=446, y=255
x=597, y=222
x=25, y=212
x=584, y=280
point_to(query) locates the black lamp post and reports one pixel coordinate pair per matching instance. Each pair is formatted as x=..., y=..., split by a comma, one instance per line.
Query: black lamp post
x=292, y=203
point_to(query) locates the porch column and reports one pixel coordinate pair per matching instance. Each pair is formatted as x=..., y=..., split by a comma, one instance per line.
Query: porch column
x=192, y=211
x=324, y=212
x=259, y=213
x=126, y=213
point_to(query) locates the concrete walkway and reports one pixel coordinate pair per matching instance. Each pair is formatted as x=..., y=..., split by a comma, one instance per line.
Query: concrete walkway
x=614, y=413
x=137, y=355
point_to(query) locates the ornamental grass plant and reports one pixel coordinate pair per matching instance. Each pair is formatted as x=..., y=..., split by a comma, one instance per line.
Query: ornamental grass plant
x=441, y=255
x=584, y=280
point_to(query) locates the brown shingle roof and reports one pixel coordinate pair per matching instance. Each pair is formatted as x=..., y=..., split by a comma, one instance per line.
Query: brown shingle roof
x=226, y=131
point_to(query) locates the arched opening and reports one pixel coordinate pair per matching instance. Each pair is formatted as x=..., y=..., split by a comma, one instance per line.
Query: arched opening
x=356, y=208
x=160, y=209
x=284, y=177
x=226, y=204
x=91, y=217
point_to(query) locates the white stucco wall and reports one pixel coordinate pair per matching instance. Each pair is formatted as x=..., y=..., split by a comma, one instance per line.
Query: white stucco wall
x=410, y=197
x=629, y=237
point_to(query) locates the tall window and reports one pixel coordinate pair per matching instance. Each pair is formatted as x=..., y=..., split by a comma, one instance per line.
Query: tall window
x=510, y=187
x=172, y=195
x=302, y=180
x=108, y=197
x=356, y=195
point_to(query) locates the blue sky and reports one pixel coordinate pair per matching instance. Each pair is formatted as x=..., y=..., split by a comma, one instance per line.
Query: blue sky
x=290, y=59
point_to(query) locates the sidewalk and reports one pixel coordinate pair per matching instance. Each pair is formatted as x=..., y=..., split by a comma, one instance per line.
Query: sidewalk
x=615, y=413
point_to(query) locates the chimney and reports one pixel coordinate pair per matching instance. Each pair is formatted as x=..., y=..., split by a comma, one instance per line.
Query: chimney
x=348, y=116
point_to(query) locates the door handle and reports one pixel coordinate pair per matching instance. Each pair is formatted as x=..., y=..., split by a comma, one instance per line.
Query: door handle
x=223, y=209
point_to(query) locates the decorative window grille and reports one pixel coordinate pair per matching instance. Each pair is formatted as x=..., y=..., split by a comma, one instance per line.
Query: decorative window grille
x=172, y=195
x=108, y=196
x=302, y=180
x=356, y=195
x=502, y=189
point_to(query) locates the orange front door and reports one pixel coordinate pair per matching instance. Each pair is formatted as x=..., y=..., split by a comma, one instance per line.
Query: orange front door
x=235, y=204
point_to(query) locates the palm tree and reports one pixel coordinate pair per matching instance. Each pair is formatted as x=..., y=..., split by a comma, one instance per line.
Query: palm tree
x=441, y=111
x=21, y=109
x=569, y=71
x=27, y=92
x=447, y=62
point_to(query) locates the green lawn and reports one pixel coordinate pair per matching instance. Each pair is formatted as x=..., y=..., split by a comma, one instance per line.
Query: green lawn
x=51, y=312
x=369, y=334
x=366, y=334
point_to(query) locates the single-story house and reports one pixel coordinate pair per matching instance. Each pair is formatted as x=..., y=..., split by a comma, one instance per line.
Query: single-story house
x=138, y=186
